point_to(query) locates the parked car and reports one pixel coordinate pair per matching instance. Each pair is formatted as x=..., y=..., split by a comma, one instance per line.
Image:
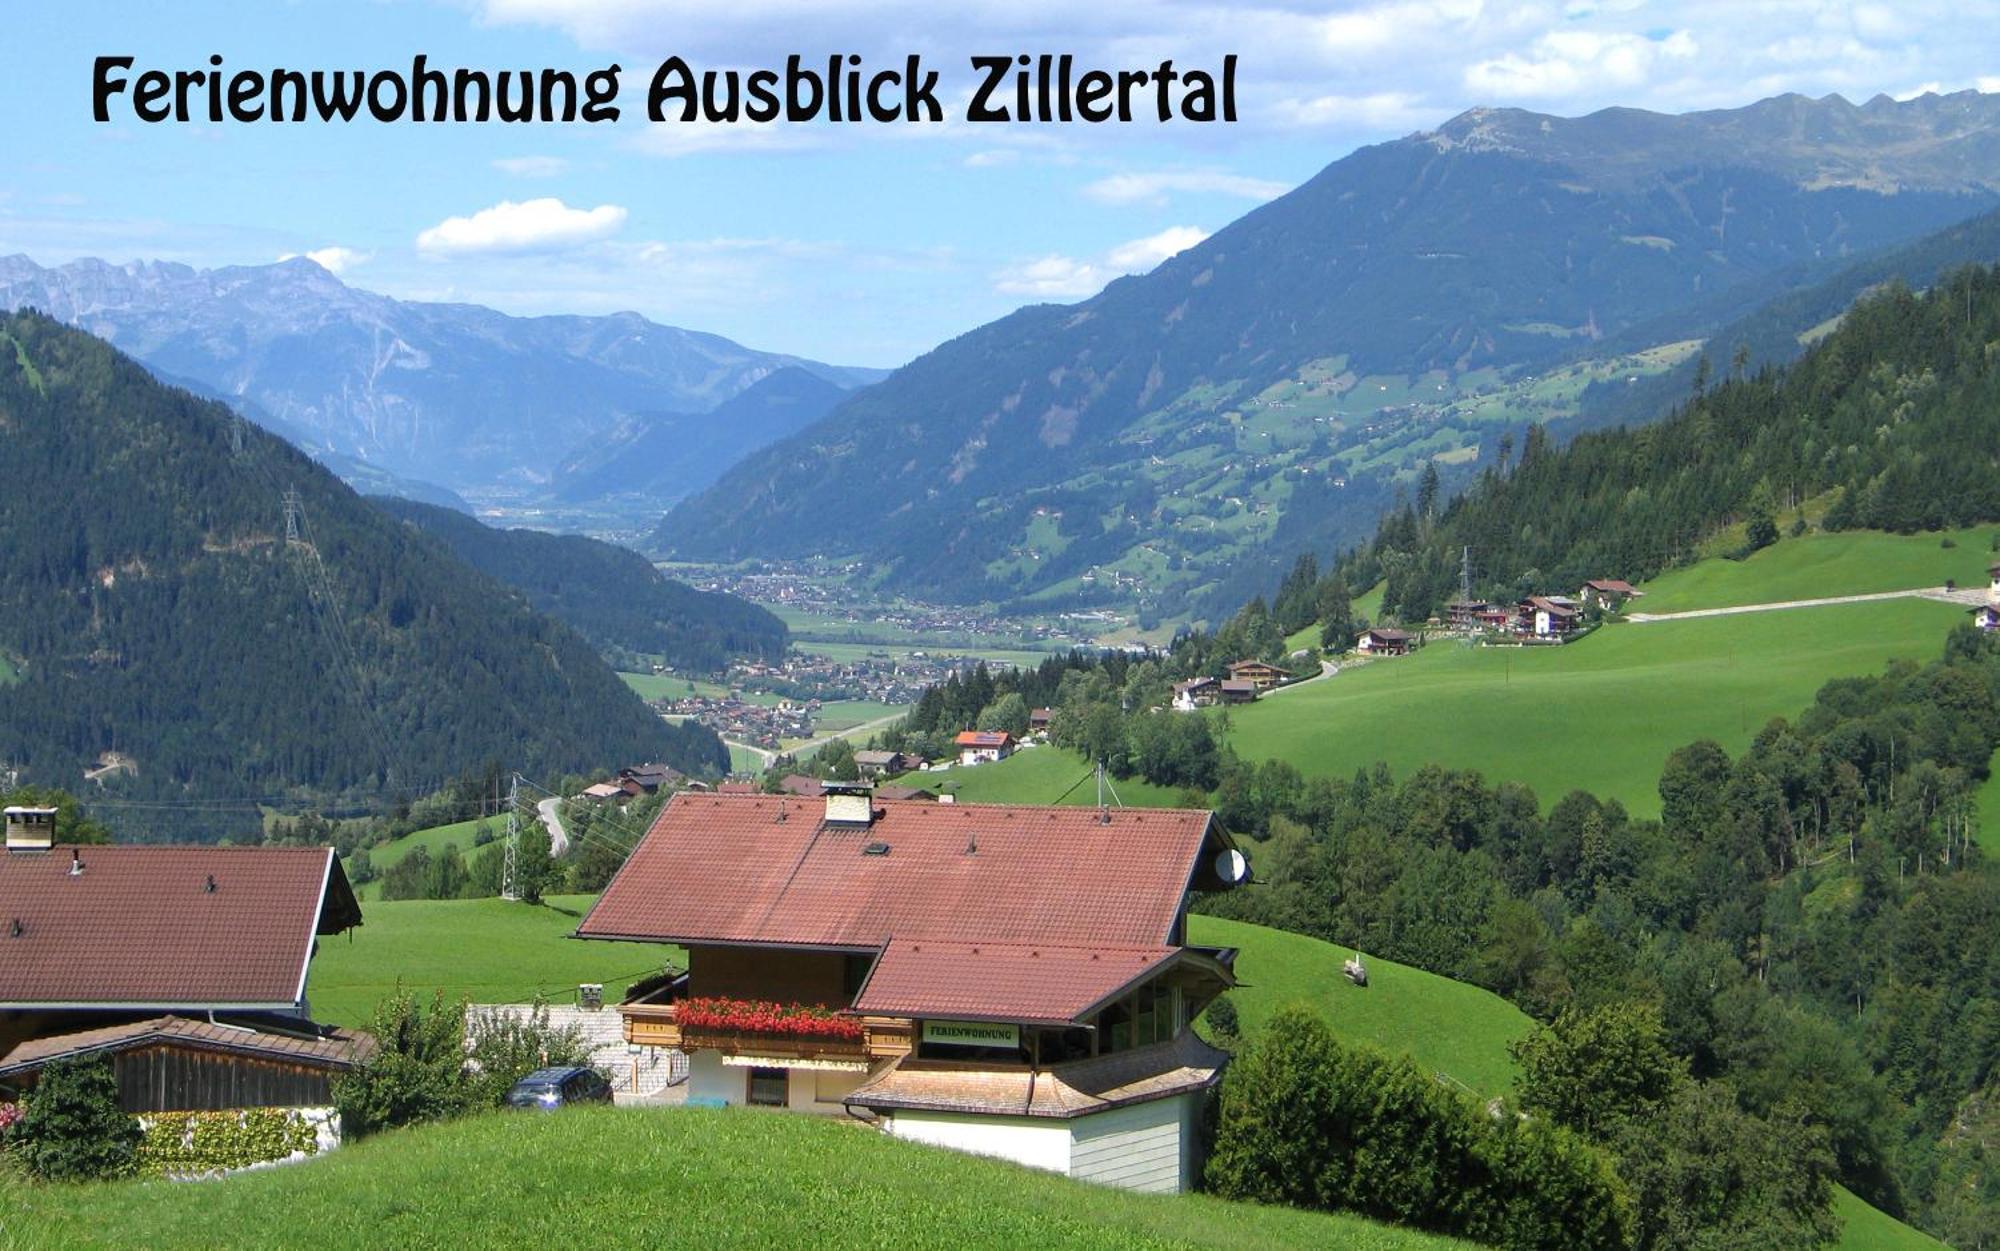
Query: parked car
x=550, y=1089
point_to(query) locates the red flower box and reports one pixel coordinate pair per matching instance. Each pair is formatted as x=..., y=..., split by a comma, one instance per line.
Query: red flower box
x=775, y=1020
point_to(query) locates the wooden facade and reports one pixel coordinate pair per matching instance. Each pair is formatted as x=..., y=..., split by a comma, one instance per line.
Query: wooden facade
x=178, y=1079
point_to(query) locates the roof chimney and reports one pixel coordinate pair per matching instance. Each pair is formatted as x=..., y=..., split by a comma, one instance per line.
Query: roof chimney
x=850, y=804
x=31, y=829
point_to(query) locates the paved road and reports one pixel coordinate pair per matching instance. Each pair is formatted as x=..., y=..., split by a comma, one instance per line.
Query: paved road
x=1967, y=597
x=812, y=745
x=1326, y=670
x=550, y=811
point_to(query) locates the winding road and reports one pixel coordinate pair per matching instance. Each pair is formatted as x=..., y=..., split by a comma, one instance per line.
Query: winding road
x=550, y=811
x=1970, y=598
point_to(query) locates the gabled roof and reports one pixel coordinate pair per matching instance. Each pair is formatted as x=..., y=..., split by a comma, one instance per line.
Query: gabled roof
x=769, y=870
x=983, y=738
x=335, y=1048
x=1387, y=635
x=1617, y=586
x=141, y=927
x=1035, y=983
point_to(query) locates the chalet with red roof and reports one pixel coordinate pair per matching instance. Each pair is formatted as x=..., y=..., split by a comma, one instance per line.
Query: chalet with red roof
x=983, y=746
x=186, y=964
x=1008, y=980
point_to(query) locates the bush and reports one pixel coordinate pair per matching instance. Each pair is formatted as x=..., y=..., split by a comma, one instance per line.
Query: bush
x=506, y=1048
x=189, y=1144
x=72, y=1128
x=417, y=1072
x=1308, y=1122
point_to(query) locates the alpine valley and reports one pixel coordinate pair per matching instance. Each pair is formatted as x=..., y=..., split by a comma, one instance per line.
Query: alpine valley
x=1164, y=444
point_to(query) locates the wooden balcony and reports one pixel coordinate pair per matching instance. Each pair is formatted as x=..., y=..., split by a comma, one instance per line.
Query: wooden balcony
x=654, y=1025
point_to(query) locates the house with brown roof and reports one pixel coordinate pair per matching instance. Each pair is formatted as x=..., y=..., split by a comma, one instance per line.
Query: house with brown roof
x=1547, y=616
x=1607, y=592
x=875, y=764
x=983, y=746
x=1196, y=693
x=1986, y=617
x=101, y=947
x=1264, y=676
x=1003, y=979
x=1238, y=690
x=1381, y=641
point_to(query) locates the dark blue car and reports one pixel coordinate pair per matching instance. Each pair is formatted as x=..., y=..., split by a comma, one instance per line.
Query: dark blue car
x=549, y=1089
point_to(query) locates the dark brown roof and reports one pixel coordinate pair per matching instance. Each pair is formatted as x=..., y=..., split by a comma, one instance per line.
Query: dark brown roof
x=1038, y=983
x=140, y=926
x=335, y=1048
x=765, y=869
x=1065, y=1090
x=801, y=785
x=1388, y=636
x=894, y=793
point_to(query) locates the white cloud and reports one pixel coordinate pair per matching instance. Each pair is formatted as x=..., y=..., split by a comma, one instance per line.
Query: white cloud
x=698, y=137
x=531, y=166
x=1379, y=111
x=1056, y=276
x=1566, y=63
x=529, y=226
x=334, y=260
x=1052, y=277
x=1154, y=187
x=1141, y=255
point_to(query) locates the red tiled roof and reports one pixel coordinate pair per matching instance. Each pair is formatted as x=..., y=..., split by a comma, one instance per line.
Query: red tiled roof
x=140, y=927
x=337, y=1048
x=765, y=869
x=1001, y=981
x=983, y=738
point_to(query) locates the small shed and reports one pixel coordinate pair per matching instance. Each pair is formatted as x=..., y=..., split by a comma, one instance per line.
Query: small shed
x=173, y=1064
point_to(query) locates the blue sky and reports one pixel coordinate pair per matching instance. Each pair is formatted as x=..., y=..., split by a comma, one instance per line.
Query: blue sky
x=864, y=244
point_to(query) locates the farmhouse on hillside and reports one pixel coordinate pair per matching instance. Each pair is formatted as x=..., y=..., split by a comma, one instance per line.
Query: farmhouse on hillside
x=874, y=764
x=1238, y=691
x=1263, y=676
x=186, y=965
x=983, y=746
x=1986, y=617
x=1607, y=593
x=1383, y=642
x=1547, y=616
x=1196, y=693
x=1008, y=980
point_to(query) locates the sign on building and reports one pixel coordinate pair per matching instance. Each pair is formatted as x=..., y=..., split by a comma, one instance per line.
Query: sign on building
x=971, y=1034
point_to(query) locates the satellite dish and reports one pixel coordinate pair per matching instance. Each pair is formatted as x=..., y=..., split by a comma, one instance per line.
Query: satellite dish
x=1231, y=867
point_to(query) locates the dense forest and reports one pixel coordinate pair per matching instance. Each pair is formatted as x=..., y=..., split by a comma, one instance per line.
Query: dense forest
x=157, y=624
x=1813, y=921
x=609, y=594
x=1892, y=422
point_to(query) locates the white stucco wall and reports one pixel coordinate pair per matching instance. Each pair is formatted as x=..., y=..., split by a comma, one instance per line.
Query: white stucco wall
x=710, y=1078
x=1038, y=1142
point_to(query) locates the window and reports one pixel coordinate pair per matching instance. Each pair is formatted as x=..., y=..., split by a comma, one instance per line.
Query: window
x=768, y=1088
x=1114, y=1029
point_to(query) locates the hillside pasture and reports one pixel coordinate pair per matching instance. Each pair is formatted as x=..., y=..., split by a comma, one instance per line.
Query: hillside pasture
x=1600, y=714
x=1816, y=566
x=487, y=950
x=432, y=840
x=1040, y=775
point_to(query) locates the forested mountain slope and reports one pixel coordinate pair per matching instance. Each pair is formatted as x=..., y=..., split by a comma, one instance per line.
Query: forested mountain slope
x=609, y=594
x=1898, y=411
x=1139, y=443
x=152, y=607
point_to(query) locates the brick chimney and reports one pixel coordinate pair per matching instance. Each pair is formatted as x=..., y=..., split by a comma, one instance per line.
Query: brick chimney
x=31, y=829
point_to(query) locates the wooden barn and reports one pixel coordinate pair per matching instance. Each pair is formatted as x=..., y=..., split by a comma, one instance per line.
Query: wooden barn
x=172, y=1064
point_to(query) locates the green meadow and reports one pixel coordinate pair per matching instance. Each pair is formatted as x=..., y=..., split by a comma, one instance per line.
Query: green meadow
x=487, y=950
x=1448, y=1027
x=1600, y=714
x=432, y=840
x=656, y=1177
x=1040, y=775
x=1815, y=566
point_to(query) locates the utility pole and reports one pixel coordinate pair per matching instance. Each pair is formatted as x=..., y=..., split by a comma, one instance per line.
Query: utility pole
x=292, y=506
x=1465, y=574
x=510, y=885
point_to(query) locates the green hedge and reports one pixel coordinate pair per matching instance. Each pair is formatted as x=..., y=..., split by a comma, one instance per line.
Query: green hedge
x=178, y=1144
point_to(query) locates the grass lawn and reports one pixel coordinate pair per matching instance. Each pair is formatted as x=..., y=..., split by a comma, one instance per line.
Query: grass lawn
x=845, y=714
x=1866, y=1228
x=489, y=950
x=1814, y=566
x=656, y=1177
x=1448, y=1027
x=680, y=686
x=1600, y=714
x=1988, y=801
x=743, y=760
x=1038, y=775
x=432, y=840
x=863, y=651
x=8, y=674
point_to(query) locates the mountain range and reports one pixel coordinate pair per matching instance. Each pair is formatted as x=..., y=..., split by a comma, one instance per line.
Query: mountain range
x=453, y=394
x=1398, y=309
x=194, y=612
